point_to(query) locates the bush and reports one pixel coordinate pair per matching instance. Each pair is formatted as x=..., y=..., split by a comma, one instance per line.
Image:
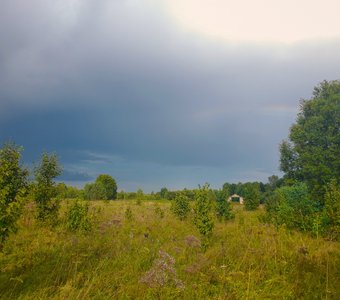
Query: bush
x=292, y=206
x=77, y=216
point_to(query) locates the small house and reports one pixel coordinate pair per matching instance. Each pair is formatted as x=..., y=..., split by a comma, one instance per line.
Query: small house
x=235, y=198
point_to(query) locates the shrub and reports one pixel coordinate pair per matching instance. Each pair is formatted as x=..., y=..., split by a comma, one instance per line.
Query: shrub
x=77, y=216
x=13, y=183
x=292, y=206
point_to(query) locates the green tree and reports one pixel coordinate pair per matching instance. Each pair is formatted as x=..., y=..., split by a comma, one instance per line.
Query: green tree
x=45, y=190
x=273, y=182
x=13, y=183
x=223, y=207
x=203, y=217
x=312, y=151
x=109, y=185
x=164, y=193
x=180, y=206
x=251, y=196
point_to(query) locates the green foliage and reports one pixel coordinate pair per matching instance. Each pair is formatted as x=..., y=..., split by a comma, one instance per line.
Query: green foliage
x=13, y=183
x=44, y=189
x=203, y=218
x=292, y=206
x=223, y=207
x=94, y=191
x=104, y=188
x=109, y=185
x=180, y=206
x=251, y=195
x=331, y=212
x=68, y=192
x=312, y=152
x=77, y=216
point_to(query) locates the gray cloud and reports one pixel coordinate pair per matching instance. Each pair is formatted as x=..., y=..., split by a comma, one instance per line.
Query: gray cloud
x=116, y=80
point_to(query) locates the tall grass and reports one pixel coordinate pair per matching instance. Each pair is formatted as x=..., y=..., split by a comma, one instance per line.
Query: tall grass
x=245, y=259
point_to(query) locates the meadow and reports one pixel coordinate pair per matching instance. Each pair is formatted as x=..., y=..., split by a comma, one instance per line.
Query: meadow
x=142, y=251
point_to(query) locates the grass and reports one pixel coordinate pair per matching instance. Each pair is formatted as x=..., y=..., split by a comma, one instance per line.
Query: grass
x=245, y=259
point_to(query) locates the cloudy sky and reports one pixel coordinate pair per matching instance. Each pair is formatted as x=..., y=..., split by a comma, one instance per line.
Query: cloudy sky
x=161, y=92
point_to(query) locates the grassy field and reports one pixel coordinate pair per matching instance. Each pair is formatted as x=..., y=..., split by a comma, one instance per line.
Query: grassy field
x=155, y=257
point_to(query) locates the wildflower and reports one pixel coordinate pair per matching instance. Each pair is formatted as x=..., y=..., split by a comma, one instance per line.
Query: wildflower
x=162, y=272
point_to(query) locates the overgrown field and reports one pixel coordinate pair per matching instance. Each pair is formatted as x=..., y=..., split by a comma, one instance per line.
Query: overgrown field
x=150, y=254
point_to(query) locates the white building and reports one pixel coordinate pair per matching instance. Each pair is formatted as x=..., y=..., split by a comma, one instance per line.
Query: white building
x=235, y=198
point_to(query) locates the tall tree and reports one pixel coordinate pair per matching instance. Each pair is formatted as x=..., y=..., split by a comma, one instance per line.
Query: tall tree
x=312, y=151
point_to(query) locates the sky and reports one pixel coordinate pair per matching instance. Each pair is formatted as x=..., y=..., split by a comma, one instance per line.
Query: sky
x=161, y=93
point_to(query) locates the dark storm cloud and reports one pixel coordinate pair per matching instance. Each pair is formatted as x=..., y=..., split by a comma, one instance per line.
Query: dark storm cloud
x=114, y=86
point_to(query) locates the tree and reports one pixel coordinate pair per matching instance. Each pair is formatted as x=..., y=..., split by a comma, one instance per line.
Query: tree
x=164, y=193
x=45, y=189
x=223, y=207
x=274, y=182
x=13, y=183
x=203, y=218
x=312, y=151
x=109, y=185
x=251, y=196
